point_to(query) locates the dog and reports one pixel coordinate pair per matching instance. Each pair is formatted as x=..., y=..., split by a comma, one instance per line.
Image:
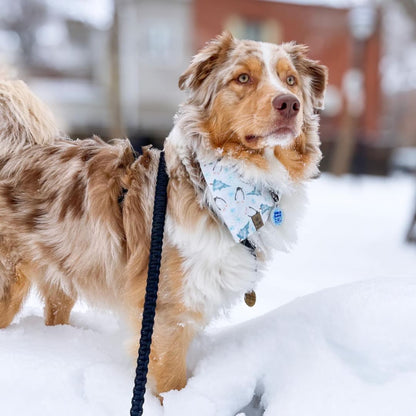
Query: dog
x=76, y=216
x=24, y=119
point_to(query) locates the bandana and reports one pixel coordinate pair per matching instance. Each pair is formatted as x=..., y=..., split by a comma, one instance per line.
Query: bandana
x=244, y=207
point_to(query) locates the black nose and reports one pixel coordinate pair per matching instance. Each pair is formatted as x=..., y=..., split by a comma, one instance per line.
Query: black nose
x=287, y=105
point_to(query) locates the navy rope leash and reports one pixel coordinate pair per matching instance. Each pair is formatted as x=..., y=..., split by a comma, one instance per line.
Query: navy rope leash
x=155, y=256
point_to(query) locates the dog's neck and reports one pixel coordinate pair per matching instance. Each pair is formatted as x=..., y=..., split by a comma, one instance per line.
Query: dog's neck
x=244, y=207
x=256, y=191
x=190, y=150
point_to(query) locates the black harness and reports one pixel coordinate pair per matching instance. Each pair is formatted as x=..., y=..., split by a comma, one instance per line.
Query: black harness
x=136, y=154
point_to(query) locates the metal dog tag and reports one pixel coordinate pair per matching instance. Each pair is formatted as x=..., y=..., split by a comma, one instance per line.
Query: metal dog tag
x=257, y=220
x=250, y=298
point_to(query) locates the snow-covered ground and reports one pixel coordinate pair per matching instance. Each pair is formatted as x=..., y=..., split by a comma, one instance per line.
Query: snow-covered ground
x=333, y=331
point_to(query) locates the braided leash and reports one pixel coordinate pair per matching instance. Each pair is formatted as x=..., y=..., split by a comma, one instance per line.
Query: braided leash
x=158, y=224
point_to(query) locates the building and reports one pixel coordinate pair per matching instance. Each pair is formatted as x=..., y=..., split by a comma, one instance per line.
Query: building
x=354, y=97
x=115, y=73
x=91, y=61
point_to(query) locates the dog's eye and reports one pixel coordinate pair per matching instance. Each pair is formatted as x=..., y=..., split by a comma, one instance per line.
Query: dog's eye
x=243, y=78
x=291, y=80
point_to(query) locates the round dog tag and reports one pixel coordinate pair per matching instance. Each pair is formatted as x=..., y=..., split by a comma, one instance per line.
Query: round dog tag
x=250, y=298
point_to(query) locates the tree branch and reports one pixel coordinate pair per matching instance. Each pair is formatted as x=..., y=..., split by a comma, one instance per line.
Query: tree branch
x=410, y=8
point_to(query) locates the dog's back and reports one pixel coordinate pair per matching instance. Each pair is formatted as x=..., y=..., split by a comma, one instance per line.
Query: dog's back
x=24, y=119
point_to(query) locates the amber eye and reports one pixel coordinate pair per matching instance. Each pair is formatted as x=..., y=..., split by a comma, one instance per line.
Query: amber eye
x=243, y=78
x=291, y=80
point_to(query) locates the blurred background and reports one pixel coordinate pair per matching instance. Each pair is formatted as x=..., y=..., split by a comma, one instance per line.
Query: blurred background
x=111, y=67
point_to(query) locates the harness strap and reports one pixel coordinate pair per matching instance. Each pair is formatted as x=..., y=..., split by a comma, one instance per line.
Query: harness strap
x=247, y=243
x=155, y=256
x=136, y=154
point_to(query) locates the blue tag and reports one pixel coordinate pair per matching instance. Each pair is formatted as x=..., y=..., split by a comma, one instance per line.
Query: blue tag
x=277, y=216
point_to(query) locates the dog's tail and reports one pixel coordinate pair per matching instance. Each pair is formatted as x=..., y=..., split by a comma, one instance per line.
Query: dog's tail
x=24, y=118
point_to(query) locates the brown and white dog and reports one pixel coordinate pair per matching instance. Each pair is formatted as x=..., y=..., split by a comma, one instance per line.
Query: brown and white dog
x=62, y=227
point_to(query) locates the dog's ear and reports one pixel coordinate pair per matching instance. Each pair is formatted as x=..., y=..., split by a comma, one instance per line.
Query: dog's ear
x=316, y=72
x=211, y=56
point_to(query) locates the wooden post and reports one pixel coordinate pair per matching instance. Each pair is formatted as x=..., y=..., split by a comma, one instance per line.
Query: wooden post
x=411, y=234
x=351, y=123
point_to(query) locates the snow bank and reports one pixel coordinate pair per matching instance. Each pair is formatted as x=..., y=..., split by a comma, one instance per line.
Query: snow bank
x=350, y=350
x=63, y=370
x=321, y=339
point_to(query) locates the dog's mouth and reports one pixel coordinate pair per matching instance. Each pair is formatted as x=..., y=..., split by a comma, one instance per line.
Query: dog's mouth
x=280, y=136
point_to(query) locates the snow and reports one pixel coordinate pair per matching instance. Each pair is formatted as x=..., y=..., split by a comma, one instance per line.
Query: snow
x=333, y=330
x=349, y=350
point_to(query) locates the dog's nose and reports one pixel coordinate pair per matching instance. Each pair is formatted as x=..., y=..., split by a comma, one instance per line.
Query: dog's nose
x=287, y=105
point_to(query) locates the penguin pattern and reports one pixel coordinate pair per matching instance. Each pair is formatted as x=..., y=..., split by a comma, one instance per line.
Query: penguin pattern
x=243, y=207
x=220, y=203
x=217, y=168
x=239, y=195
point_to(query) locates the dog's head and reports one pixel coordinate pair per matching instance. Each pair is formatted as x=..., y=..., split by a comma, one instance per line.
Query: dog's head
x=256, y=95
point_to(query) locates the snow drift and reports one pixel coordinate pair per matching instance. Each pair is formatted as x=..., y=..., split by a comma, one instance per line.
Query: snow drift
x=348, y=350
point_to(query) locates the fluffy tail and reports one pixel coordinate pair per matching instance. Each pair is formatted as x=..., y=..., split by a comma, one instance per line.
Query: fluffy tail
x=24, y=119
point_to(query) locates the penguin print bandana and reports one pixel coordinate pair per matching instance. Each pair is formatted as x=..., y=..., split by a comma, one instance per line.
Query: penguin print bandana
x=243, y=206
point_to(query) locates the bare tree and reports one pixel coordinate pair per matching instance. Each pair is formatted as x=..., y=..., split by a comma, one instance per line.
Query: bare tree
x=27, y=17
x=410, y=8
x=117, y=125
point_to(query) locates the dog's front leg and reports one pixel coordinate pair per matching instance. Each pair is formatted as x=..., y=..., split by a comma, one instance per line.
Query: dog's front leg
x=58, y=304
x=170, y=343
x=175, y=325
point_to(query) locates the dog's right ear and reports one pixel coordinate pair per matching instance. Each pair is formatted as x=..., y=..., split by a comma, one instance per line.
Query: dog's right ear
x=213, y=54
x=316, y=72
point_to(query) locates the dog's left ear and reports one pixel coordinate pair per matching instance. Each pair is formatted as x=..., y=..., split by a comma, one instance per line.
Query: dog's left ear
x=211, y=56
x=316, y=72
